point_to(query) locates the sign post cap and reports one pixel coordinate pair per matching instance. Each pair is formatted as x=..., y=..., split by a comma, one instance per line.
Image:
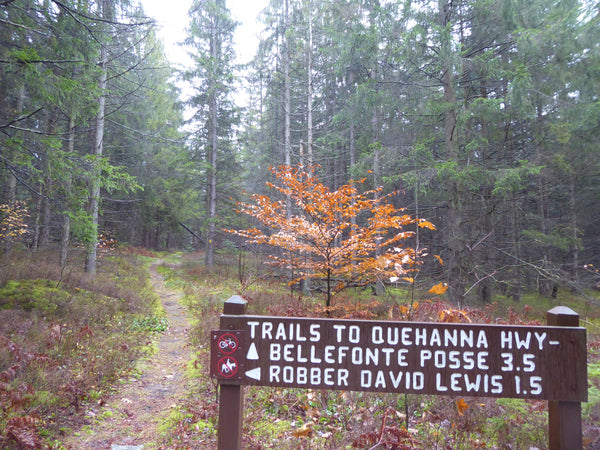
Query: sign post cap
x=235, y=305
x=562, y=316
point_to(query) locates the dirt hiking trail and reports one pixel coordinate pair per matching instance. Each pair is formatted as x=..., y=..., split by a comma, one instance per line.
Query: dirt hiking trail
x=131, y=416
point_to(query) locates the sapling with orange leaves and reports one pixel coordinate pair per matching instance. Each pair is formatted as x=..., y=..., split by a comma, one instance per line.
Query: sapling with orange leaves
x=321, y=235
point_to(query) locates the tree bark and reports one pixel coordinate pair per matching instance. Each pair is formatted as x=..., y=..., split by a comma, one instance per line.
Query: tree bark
x=213, y=149
x=574, y=231
x=11, y=188
x=94, y=206
x=46, y=189
x=287, y=103
x=455, y=276
x=66, y=219
x=309, y=100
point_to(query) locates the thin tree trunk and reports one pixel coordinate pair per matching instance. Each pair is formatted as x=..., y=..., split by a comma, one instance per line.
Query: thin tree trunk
x=46, y=188
x=11, y=188
x=575, y=233
x=66, y=219
x=352, y=145
x=94, y=207
x=45, y=213
x=544, y=286
x=212, y=163
x=516, y=286
x=36, y=226
x=287, y=99
x=309, y=106
x=455, y=277
x=12, y=180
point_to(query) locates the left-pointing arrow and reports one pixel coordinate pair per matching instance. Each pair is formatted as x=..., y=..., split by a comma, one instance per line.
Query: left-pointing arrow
x=254, y=374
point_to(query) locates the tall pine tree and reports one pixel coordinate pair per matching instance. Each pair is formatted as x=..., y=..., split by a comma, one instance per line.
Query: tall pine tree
x=210, y=44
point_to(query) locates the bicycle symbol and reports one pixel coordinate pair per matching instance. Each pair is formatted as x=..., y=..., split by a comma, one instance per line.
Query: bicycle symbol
x=228, y=343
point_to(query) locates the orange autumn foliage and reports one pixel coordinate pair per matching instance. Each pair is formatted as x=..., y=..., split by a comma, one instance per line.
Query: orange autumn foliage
x=12, y=220
x=439, y=289
x=461, y=406
x=321, y=234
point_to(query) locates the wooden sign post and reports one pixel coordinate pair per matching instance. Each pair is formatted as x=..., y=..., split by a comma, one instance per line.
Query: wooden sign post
x=231, y=401
x=564, y=417
x=544, y=363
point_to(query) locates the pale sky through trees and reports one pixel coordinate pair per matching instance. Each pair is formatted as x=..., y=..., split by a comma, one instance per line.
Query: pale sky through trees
x=172, y=18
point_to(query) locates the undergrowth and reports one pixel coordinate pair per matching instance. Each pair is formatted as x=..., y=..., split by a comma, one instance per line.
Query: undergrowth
x=65, y=338
x=295, y=418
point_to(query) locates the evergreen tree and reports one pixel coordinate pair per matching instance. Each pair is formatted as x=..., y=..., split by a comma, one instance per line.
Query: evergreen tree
x=210, y=37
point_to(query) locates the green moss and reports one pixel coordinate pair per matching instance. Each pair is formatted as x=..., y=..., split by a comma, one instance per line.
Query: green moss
x=172, y=420
x=269, y=429
x=108, y=414
x=151, y=324
x=40, y=295
x=205, y=426
x=57, y=445
x=591, y=409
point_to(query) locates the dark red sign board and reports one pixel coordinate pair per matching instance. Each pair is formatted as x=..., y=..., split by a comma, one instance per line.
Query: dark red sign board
x=227, y=355
x=546, y=363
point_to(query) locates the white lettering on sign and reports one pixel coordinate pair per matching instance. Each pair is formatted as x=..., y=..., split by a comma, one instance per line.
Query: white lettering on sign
x=454, y=359
x=381, y=379
x=283, y=332
x=386, y=356
x=410, y=357
x=465, y=383
x=522, y=340
x=351, y=333
x=310, y=376
x=408, y=336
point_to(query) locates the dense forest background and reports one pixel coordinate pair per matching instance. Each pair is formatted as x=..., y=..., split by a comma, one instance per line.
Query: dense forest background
x=483, y=115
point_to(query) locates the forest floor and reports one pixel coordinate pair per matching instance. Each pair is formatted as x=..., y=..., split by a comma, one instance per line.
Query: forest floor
x=133, y=414
x=93, y=366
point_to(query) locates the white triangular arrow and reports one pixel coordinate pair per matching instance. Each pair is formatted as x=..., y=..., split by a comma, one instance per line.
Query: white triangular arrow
x=252, y=353
x=254, y=374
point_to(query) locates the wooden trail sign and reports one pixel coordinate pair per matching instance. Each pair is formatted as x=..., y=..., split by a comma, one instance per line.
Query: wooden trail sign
x=418, y=358
x=541, y=362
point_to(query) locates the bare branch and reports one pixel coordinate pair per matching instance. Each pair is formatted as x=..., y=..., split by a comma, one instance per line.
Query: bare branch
x=18, y=25
x=43, y=61
x=479, y=281
x=18, y=119
x=480, y=241
x=99, y=19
